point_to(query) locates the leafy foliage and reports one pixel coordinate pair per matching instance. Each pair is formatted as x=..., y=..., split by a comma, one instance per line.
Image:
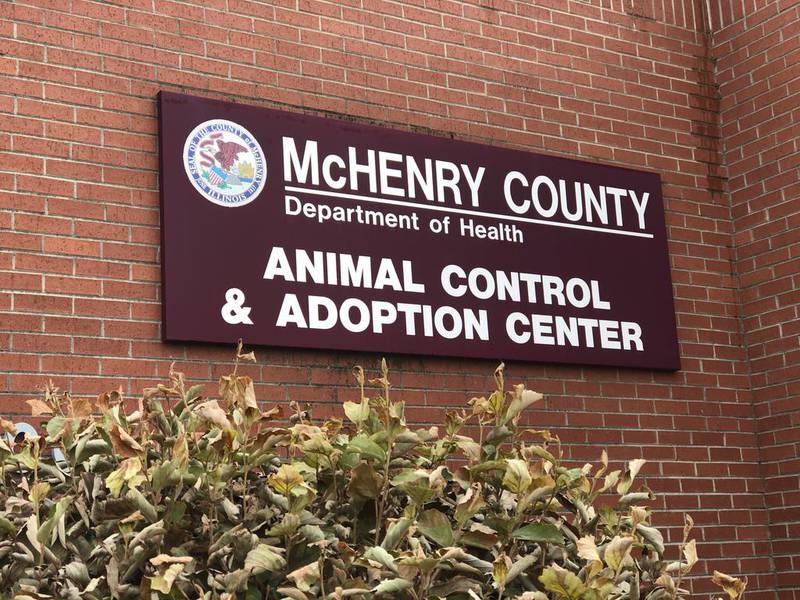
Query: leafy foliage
x=180, y=496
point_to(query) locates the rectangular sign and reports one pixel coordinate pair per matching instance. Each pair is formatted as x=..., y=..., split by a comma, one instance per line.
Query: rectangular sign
x=291, y=230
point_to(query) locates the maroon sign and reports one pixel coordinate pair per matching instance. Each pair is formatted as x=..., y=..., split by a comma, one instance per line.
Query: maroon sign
x=290, y=230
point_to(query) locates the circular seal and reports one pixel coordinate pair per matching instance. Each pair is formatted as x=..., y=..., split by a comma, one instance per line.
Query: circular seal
x=225, y=163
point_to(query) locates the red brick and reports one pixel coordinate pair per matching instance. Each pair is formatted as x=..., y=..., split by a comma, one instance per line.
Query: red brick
x=73, y=325
x=38, y=303
x=73, y=365
x=71, y=246
x=72, y=285
x=20, y=241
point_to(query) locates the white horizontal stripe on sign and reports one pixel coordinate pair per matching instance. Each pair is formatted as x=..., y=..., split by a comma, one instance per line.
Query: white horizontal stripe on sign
x=462, y=211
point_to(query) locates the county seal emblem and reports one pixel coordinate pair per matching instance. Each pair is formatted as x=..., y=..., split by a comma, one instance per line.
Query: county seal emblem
x=225, y=163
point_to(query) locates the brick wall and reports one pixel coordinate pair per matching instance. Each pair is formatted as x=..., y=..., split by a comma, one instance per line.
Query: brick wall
x=758, y=65
x=629, y=82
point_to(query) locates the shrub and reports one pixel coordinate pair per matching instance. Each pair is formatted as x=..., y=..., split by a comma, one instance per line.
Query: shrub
x=180, y=496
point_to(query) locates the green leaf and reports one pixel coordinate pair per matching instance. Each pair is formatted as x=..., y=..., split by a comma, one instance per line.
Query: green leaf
x=88, y=446
x=305, y=576
x=129, y=471
x=163, y=581
x=395, y=532
x=175, y=512
x=7, y=526
x=230, y=509
x=287, y=526
x=382, y=557
x=545, y=533
x=435, y=526
x=142, y=504
x=567, y=477
x=562, y=582
x=419, y=493
x=470, y=503
x=470, y=448
x=390, y=586
x=24, y=458
x=498, y=435
x=312, y=533
x=160, y=475
x=479, y=539
x=635, y=498
x=425, y=564
x=522, y=400
x=364, y=482
x=265, y=558
x=457, y=587
x=286, y=479
x=500, y=571
x=55, y=425
x=630, y=474
x=77, y=572
x=488, y=465
x=236, y=581
x=653, y=537
x=287, y=593
x=501, y=524
x=517, y=478
x=472, y=561
x=617, y=551
x=519, y=566
x=56, y=514
x=39, y=492
x=148, y=533
x=193, y=392
x=542, y=453
x=366, y=447
x=357, y=413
